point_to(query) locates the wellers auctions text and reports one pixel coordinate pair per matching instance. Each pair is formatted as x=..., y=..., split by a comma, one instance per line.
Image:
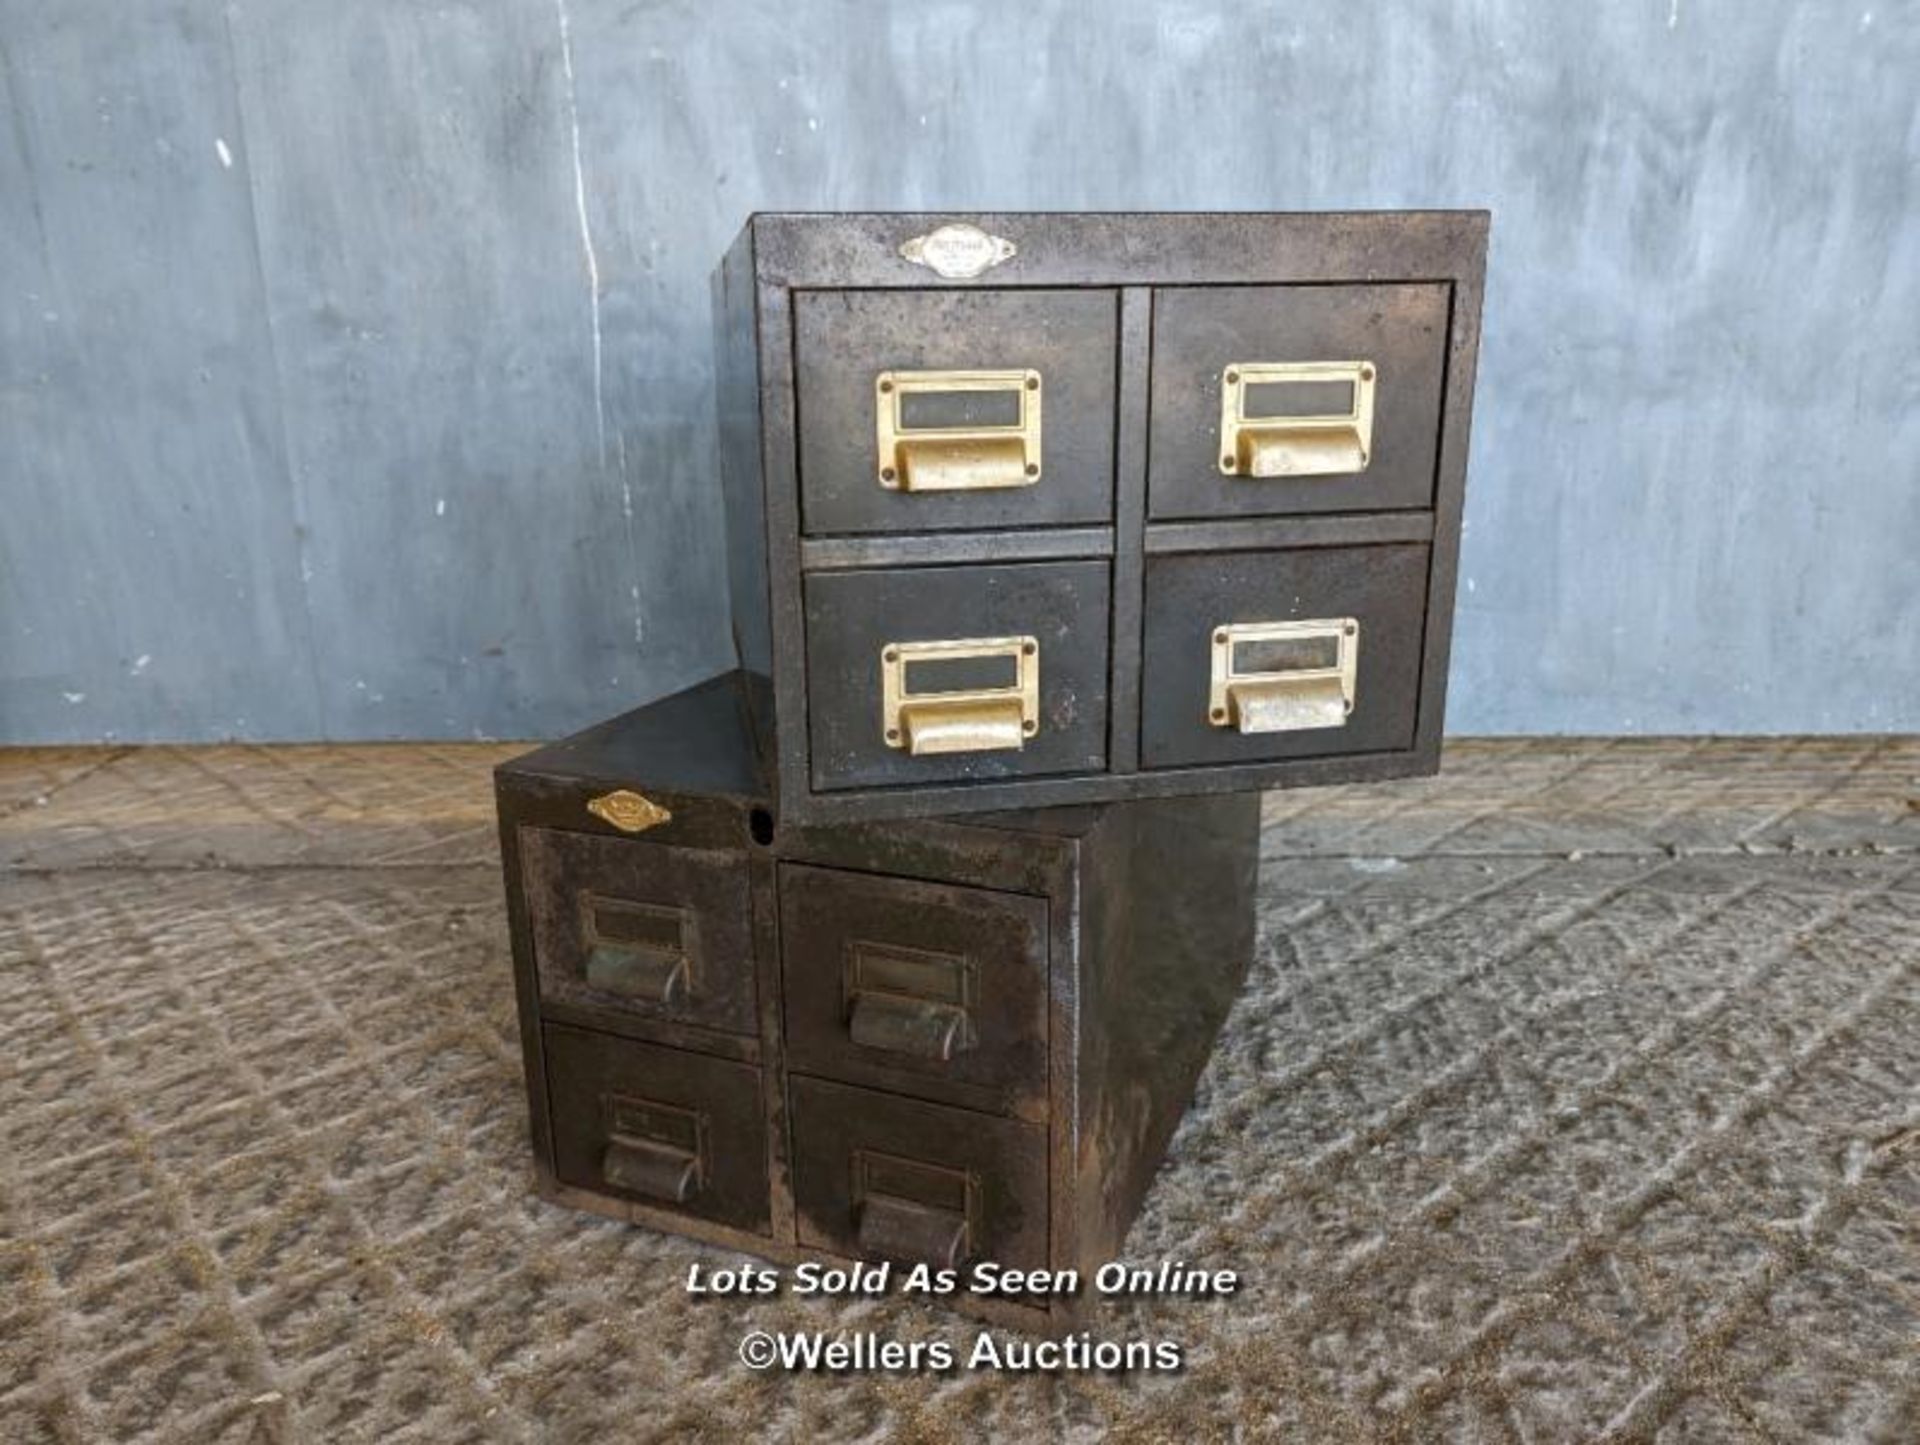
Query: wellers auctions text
x=985, y=1279
x=863, y=1353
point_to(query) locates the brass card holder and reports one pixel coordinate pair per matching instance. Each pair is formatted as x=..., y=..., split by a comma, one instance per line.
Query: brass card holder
x=654, y=1149
x=965, y=458
x=913, y=1211
x=1295, y=443
x=909, y=1001
x=1279, y=677
x=962, y=720
x=639, y=950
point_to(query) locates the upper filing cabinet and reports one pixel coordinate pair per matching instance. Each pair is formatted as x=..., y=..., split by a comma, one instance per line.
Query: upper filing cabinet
x=1037, y=509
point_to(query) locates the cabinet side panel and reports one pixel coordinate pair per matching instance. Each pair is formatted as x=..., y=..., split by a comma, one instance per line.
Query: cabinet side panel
x=1170, y=893
x=526, y=984
x=1463, y=353
x=737, y=402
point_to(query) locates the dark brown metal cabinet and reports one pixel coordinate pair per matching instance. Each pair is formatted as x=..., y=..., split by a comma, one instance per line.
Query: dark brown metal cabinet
x=946, y=1040
x=1029, y=510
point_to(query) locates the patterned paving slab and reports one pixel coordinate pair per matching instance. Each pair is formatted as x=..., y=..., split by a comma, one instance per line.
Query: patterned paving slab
x=1576, y=1095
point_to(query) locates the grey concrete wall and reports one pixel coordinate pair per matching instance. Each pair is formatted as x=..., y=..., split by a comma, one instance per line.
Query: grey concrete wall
x=354, y=358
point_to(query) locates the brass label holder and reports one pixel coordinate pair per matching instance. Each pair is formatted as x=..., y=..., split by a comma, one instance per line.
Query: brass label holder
x=910, y=1210
x=975, y=458
x=1318, y=444
x=909, y=1001
x=964, y=720
x=1311, y=685
x=654, y=1148
x=628, y=811
x=641, y=950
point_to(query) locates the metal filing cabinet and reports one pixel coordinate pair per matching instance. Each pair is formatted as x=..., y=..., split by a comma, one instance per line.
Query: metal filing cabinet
x=944, y=1040
x=1028, y=510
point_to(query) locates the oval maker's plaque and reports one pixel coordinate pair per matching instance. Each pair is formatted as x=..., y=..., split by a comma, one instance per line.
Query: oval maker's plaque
x=958, y=251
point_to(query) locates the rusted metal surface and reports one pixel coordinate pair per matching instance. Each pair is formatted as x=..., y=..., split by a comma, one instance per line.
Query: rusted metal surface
x=970, y=964
x=668, y=1127
x=602, y=910
x=1168, y=915
x=854, y=1149
x=1015, y=1004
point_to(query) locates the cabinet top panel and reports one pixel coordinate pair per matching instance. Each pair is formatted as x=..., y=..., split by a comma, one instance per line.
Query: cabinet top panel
x=1051, y=248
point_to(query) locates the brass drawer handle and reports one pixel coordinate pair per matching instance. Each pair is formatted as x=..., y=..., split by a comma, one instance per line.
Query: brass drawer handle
x=972, y=456
x=901, y=1229
x=629, y=812
x=909, y=1001
x=1322, y=442
x=1277, y=677
x=897, y=1025
x=970, y=718
x=644, y=973
x=911, y=1210
x=658, y=1171
x=641, y=950
x=654, y=1149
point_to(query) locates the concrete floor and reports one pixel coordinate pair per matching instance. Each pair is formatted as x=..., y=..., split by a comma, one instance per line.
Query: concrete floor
x=1576, y=1094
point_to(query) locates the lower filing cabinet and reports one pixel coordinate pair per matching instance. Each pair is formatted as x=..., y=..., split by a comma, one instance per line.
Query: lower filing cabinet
x=941, y=1041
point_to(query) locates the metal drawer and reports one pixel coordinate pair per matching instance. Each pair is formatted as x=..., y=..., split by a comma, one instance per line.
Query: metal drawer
x=1310, y=652
x=925, y=411
x=933, y=674
x=643, y=928
x=880, y=1176
x=1285, y=399
x=670, y=1129
x=922, y=987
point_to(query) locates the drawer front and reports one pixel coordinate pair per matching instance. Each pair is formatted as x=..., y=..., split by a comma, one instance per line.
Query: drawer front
x=992, y=672
x=641, y=927
x=1021, y=436
x=917, y=986
x=883, y=1177
x=1256, y=656
x=662, y=1127
x=1338, y=409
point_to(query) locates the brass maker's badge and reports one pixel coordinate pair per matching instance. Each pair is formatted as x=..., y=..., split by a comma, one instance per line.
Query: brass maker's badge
x=958, y=251
x=629, y=812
